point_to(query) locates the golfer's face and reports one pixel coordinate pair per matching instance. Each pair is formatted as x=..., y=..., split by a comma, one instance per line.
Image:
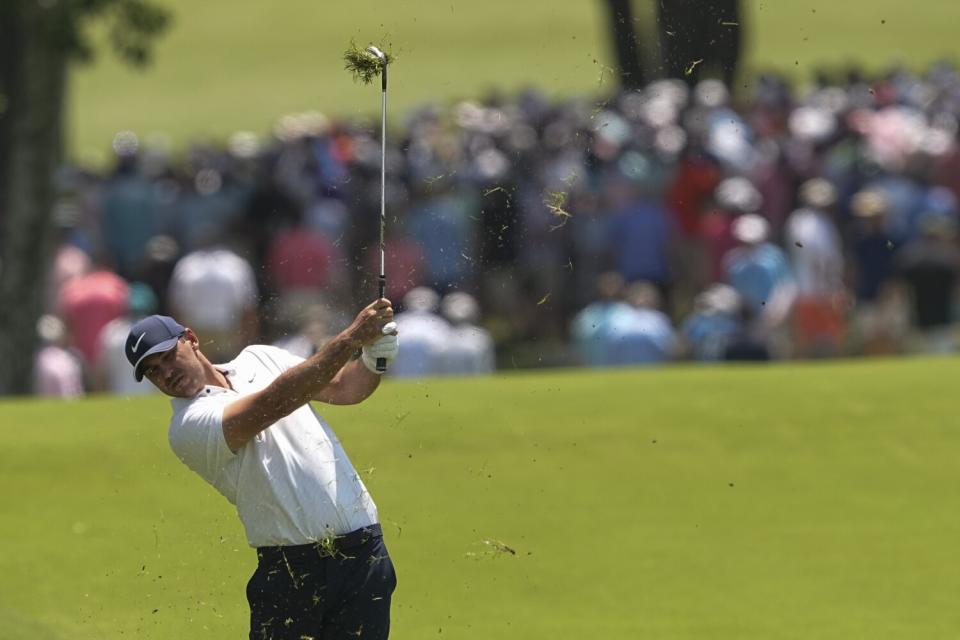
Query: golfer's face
x=177, y=372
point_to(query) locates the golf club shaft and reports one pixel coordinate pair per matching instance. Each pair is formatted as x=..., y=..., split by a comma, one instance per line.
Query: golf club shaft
x=382, y=362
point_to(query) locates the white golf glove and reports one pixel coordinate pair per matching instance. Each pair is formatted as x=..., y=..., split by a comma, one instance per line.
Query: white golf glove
x=385, y=347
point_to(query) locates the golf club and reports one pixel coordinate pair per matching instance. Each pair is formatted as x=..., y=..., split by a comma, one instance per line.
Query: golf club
x=377, y=53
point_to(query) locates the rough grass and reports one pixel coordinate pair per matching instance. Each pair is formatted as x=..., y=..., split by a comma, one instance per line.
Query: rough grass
x=225, y=65
x=775, y=502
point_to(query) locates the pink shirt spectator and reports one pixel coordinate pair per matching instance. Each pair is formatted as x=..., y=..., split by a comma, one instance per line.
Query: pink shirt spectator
x=405, y=266
x=87, y=304
x=300, y=258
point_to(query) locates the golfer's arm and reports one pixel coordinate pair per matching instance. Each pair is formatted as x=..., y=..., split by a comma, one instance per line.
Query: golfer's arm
x=295, y=387
x=354, y=383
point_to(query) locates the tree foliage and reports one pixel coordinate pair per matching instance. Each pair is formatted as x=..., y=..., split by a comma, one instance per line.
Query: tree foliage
x=132, y=26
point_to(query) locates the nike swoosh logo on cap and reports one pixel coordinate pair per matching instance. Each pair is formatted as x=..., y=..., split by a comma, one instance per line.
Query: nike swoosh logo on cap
x=137, y=343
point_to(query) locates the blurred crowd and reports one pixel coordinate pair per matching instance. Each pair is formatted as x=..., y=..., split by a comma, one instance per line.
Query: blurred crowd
x=668, y=223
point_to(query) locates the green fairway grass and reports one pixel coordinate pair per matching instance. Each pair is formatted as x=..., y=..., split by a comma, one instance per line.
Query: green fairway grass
x=806, y=501
x=226, y=65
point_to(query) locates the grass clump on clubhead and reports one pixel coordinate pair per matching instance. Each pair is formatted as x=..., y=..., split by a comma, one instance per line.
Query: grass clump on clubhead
x=364, y=63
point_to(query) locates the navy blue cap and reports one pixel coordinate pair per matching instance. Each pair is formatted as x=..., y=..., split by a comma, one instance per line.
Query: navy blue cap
x=153, y=334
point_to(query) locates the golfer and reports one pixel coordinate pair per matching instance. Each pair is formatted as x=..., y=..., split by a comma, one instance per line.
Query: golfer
x=247, y=428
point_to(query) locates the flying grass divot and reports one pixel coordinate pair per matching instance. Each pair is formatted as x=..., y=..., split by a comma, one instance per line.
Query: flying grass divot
x=363, y=64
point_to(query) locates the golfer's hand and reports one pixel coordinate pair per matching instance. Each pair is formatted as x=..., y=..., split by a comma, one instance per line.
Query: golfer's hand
x=385, y=347
x=367, y=327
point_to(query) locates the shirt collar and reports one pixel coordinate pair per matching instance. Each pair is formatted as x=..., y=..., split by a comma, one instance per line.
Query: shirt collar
x=229, y=370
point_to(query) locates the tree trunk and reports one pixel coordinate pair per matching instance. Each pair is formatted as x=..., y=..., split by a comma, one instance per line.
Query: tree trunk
x=32, y=81
x=700, y=38
x=622, y=28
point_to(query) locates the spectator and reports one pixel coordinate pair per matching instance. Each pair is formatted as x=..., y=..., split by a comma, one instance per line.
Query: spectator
x=213, y=291
x=714, y=324
x=87, y=304
x=759, y=270
x=643, y=335
x=441, y=225
x=613, y=331
x=300, y=258
x=469, y=350
x=876, y=323
x=734, y=197
x=760, y=273
x=303, y=269
x=130, y=208
x=69, y=262
x=112, y=369
x=689, y=198
x=425, y=335
x=639, y=231
x=816, y=256
x=928, y=268
x=404, y=261
x=58, y=371
x=592, y=324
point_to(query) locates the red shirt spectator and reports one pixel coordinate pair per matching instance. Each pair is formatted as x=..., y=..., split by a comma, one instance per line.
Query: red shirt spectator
x=717, y=232
x=691, y=192
x=405, y=265
x=87, y=304
x=300, y=258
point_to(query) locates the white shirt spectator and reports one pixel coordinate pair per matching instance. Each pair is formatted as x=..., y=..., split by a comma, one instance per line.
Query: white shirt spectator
x=214, y=292
x=426, y=337
x=210, y=289
x=113, y=363
x=470, y=348
x=815, y=251
x=469, y=351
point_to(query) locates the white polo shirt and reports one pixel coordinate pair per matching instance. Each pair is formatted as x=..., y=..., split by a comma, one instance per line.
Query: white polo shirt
x=293, y=483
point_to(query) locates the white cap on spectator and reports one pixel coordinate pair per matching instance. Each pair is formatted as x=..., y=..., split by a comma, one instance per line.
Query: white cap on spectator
x=421, y=299
x=750, y=228
x=459, y=307
x=739, y=194
x=818, y=192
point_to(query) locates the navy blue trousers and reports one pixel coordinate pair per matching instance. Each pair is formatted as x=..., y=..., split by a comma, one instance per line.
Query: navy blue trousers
x=323, y=591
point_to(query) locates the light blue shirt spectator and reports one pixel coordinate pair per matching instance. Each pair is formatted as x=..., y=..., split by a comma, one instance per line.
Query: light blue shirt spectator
x=614, y=333
x=639, y=337
x=756, y=272
x=708, y=334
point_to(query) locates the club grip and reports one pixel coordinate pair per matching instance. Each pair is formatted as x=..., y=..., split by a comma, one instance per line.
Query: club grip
x=382, y=362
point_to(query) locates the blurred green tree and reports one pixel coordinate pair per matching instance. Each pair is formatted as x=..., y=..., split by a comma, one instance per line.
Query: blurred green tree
x=39, y=39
